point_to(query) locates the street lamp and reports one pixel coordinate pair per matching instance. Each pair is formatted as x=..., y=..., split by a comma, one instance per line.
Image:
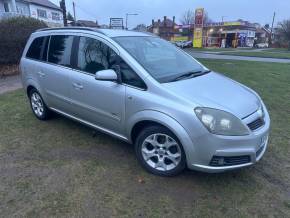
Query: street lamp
x=128, y=14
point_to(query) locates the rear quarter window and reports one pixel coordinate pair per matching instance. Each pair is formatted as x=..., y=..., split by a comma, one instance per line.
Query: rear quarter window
x=38, y=49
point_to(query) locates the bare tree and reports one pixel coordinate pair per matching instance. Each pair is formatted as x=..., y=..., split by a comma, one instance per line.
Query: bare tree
x=187, y=17
x=284, y=31
x=206, y=18
x=141, y=28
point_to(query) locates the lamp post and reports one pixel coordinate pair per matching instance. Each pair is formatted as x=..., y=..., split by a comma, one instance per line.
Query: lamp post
x=128, y=14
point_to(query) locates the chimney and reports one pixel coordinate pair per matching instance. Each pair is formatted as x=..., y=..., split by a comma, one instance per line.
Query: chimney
x=164, y=21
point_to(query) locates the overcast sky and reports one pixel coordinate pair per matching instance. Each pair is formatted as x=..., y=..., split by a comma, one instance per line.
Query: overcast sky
x=260, y=11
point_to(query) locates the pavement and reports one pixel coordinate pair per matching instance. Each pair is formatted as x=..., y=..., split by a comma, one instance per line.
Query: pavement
x=10, y=83
x=211, y=55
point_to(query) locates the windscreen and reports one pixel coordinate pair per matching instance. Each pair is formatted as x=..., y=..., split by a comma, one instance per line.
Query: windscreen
x=161, y=59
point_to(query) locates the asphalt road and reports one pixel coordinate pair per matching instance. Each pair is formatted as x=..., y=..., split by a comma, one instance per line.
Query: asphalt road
x=207, y=55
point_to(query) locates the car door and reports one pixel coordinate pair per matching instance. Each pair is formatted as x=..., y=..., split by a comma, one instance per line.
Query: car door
x=56, y=72
x=101, y=103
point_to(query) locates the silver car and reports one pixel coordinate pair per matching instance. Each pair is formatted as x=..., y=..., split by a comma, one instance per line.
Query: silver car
x=145, y=91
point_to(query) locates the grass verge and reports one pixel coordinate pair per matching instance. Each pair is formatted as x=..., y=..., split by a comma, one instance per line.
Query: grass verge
x=60, y=168
x=262, y=54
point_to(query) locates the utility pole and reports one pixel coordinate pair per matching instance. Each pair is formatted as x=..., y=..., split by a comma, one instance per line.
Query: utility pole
x=74, y=8
x=270, y=41
x=63, y=8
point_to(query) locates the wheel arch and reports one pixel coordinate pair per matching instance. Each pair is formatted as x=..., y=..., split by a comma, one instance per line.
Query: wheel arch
x=149, y=117
x=31, y=84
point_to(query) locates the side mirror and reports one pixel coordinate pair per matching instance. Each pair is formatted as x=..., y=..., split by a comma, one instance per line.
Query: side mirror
x=107, y=75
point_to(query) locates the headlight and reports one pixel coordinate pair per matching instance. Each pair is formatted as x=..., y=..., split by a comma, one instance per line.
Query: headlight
x=220, y=122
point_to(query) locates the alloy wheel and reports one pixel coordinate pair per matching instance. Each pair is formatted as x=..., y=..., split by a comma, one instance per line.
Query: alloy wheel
x=161, y=152
x=37, y=104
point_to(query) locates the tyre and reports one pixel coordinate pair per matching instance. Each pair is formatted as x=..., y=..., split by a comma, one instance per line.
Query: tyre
x=39, y=109
x=159, y=151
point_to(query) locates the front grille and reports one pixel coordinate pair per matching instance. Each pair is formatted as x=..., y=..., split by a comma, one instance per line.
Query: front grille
x=256, y=124
x=219, y=161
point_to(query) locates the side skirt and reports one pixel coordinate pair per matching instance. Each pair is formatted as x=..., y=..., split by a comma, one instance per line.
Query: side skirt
x=109, y=132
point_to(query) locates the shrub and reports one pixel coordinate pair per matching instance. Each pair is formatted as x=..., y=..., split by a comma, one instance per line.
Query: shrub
x=14, y=32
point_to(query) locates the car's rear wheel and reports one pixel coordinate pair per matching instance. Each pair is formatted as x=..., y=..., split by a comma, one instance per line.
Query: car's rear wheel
x=159, y=151
x=38, y=106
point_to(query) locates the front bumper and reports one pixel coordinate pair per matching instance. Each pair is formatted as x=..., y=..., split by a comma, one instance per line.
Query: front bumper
x=209, y=146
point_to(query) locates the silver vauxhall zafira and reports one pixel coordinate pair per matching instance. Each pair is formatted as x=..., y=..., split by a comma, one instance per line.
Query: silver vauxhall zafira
x=143, y=90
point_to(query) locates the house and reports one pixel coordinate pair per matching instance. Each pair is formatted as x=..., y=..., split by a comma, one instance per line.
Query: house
x=165, y=28
x=263, y=35
x=43, y=10
x=87, y=23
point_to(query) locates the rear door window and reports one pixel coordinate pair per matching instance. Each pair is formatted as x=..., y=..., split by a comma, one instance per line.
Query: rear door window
x=38, y=49
x=60, y=47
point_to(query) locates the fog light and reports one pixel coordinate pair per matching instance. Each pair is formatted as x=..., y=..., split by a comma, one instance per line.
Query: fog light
x=217, y=161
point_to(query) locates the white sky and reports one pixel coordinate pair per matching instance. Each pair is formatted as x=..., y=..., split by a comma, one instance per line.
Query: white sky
x=260, y=11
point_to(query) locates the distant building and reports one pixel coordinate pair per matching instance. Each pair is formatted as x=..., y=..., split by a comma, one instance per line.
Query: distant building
x=104, y=26
x=229, y=34
x=43, y=10
x=164, y=29
x=86, y=23
x=263, y=35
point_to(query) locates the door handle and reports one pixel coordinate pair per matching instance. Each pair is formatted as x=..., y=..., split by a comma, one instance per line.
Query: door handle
x=41, y=74
x=77, y=86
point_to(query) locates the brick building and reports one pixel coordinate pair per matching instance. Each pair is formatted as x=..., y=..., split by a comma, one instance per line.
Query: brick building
x=165, y=28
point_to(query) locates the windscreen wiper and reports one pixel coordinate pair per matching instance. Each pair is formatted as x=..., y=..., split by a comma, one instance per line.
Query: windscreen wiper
x=189, y=75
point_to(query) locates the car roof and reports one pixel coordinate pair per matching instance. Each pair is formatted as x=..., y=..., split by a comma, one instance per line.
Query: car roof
x=107, y=32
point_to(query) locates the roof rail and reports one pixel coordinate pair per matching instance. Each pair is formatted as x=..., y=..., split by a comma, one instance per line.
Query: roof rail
x=70, y=28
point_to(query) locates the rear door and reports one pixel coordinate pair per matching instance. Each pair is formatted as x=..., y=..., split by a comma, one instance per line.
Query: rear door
x=56, y=72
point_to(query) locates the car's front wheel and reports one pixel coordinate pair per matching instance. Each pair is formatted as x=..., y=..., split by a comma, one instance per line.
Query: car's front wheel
x=39, y=109
x=159, y=151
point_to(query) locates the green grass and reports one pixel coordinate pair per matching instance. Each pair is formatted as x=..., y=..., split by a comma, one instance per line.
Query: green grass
x=262, y=54
x=219, y=49
x=60, y=168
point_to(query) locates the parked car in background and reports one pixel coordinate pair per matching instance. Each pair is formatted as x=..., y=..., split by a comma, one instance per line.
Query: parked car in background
x=262, y=45
x=143, y=90
x=184, y=44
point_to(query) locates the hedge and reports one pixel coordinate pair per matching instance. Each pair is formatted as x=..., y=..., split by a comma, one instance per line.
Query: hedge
x=14, y=33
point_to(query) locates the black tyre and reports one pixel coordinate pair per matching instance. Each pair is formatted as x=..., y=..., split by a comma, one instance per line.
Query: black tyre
x=159, y=151
x=39, y=108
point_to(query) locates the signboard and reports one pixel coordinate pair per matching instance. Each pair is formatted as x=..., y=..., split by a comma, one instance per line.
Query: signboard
x=199, y=17
x=197, y=38
x=198, y=25
x=235, y=23
x=116, y=23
